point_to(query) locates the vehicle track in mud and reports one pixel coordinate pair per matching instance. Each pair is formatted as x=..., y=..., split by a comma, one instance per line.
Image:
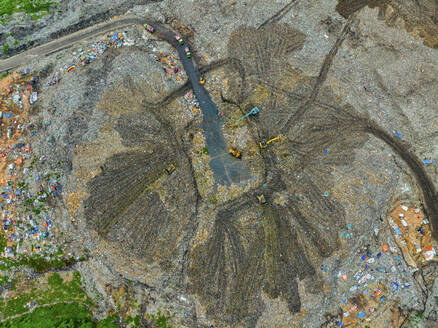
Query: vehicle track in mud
x=403, y=150
x=278, y=15
x=328, y=61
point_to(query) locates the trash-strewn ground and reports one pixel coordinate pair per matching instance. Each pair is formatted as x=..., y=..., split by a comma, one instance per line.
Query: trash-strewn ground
x=345, y=238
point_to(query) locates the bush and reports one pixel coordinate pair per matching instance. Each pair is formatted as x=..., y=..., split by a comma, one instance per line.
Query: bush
x=60, y=316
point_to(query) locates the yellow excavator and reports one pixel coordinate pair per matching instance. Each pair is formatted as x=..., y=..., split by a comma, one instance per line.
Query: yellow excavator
x=170, y=169
x=261, y=199
x=265, y=143
x=235, y=153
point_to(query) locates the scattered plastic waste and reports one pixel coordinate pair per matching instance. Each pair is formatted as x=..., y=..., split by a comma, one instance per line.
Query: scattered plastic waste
x=33, y=98
x=7, y=115
x=398, y=134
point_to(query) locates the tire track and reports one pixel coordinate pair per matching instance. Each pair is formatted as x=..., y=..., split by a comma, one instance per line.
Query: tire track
x=321, y=77
x=423, y=180
x=278, y=15
x=395, y=106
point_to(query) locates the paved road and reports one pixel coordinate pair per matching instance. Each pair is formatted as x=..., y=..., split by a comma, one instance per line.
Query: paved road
x=67, y=41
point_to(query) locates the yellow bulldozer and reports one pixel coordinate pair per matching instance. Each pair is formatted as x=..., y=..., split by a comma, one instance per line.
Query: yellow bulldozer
x=235, y=153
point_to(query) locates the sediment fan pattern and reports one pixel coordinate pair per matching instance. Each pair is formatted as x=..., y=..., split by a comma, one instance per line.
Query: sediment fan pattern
x=126, y=203
x=266, y=248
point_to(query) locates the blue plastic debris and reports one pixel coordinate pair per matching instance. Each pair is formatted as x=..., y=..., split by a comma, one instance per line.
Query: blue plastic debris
x=398, y=134
x=397, y=231
x=344, y=300
x=7, y=115
x=395, y=285
x=326, y=150
x=348, y=226
x=379, y=255
x=363, y=257
x=326, y=193
x=186, y=314
x=428, y=161
x=361, y=314
x=383, y=299
x=340, y=323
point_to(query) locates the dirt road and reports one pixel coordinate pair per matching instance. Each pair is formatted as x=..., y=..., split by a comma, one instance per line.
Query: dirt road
x=226, y=169
x=66, y=42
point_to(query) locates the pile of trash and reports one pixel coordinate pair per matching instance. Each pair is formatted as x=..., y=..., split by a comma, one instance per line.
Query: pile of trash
x=85, y=57
x=171, y=64
x=412, y=233
x=29, y=231
x=192, y=104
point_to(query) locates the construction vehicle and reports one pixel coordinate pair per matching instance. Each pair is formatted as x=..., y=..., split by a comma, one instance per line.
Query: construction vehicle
x=170, y=169
x=261, y=199
x=235, y=153
x=252, y=112
x=188, y=53
x=265, y=143
x=179, y=39
x=149, y=28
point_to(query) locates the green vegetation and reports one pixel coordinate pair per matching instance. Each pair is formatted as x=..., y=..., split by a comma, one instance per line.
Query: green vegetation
x=61, y=316
x=58, y=291
x=30, y=7
x=204, y=150
x=39, y=263
x=63, y=304
x=2, y=76
x=415, y=320
x=161, y=320
x=6, y=48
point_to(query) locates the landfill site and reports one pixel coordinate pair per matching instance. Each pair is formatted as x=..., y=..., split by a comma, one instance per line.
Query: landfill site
x=219, y=164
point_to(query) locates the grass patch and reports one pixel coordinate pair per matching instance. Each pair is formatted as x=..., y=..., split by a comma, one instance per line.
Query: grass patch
x=6, y=48
x=3, y=75
x=60, y=316
x=40, y=264
x=57, y=291
x=161, y=320
x=9, y=7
